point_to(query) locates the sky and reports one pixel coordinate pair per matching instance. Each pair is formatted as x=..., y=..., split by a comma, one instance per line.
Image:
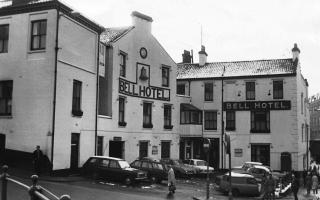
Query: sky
x=232, y=30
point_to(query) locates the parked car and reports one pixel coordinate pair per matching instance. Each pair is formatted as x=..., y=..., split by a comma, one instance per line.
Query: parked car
x=156, y=171
x=241, y=184
x=110, y=168
x=199, y=165
x=247, y=165
x=259, y=172
x=179, y=168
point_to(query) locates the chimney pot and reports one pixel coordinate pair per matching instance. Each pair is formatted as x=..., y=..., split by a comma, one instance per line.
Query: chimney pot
x=202, y=56
x=295, y=52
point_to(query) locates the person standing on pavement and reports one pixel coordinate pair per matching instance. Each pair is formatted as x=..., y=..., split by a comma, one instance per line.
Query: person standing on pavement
x=315, y=183
x=308, y=183
x=269, y=188
x=295, y=186
x=37, y=160
x=171, y=180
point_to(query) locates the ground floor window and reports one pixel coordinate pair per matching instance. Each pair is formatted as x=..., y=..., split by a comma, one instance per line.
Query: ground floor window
x=260, y=153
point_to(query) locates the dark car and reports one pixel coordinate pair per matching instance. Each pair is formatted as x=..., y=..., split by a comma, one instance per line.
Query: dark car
x=156, y=170
x=110, y=168
x=179, y=168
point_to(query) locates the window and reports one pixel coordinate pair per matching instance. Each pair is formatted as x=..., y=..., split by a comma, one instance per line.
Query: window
x=260, y=122
x=5, y=97
x=181, y=89
x=113, y=164
x=165, y=76
x=143, y=149
x=4, y=38
x=122, y=101
x=250, y=90
x=165, y=149
x=76, y=98
x=210, y=120
x=123, y=58
x=302, y=103
x=208, y=91
x=190, y=117
x=38, y=34
x=302, y=131
x=167, y=117
x=278, y=89
x=230, y=120
x=147, y=115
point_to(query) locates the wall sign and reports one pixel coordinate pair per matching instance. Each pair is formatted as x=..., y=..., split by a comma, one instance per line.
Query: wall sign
x=257, y=105
x=238, y=152
x=143, y=91
x=143, y=52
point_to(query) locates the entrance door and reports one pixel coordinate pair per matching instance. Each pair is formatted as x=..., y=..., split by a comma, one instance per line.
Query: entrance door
x=2, y=148
x=188, y=149
x=143, y=149
x=215, y=153
x=116, y=149
x=260, y=153
x=74, y=160
x=165, y=149
x=100, y=146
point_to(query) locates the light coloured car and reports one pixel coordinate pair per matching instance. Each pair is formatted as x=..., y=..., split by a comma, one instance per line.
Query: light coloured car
x=199, y=165
x=241, y=184
x=247, y=165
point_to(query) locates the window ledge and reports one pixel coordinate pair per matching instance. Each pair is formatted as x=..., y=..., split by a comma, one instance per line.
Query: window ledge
x=105, y=116
x=6, y=117
x=168, y=127
x=122, y=124
x=147, y=126
x=233, y=129
x=36, y=51
x=210, y=130
x=77, y=113
x=255, y=131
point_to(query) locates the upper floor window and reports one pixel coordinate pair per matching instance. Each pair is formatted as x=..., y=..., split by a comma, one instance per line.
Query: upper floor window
x=167, y=115
x=38, y=34
x=208, y=91
x=302, y=132
x=278, y=89
x=4, y=38
x=210, y=120
x=230, y=120
x=260, y=121
x=147, y=115
x=302, y=102
x=250, y=90
x=5, y=97
x=76, y=98
x=123, y=62
x=122, y=101
x=189, y=114
x=181, y=88
x=165, y=76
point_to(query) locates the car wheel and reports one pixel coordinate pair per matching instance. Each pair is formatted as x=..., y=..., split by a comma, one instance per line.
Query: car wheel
x=128, y=181
x=235, y=192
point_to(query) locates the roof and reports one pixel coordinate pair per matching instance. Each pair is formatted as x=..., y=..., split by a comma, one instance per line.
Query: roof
x=237, y=69
x=113, y=34
x=25, y=6
x=189, y=107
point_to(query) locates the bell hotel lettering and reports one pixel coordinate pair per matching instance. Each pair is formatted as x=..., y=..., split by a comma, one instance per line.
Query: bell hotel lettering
x=150, y=92
x=257, y=105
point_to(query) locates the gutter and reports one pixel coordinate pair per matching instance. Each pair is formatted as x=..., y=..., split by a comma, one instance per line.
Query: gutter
x=55, y=83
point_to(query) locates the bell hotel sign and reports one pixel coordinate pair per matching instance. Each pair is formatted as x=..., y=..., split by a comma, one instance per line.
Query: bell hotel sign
x=257, y=105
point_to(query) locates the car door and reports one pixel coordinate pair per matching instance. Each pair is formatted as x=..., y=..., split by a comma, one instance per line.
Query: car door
x=90, y=166
x=145, y=167
x=115, y=172
x=251, y=186
x=102, y=168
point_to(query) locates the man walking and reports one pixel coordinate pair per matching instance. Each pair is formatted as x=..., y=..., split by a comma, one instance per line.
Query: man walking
x=37, y=159
x=295, y=186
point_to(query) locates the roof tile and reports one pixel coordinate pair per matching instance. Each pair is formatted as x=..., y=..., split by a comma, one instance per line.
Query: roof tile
x=113, y=34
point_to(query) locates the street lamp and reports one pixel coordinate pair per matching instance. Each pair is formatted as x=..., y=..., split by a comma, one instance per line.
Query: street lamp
x=206, y=147
x=228, y=151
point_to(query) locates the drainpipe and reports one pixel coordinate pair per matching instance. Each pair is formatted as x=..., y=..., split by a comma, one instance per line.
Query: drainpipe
x=55, y=82
x=97, y=100
x=222, y=122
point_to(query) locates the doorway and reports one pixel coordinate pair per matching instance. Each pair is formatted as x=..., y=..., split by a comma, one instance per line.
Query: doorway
x=74, y=156
x=165, y=149
x=2, y=148
x=116, y=149
x=143, y=149
x=260, y=153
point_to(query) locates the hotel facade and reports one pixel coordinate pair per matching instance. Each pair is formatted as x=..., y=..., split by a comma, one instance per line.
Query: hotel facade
x=263, y=104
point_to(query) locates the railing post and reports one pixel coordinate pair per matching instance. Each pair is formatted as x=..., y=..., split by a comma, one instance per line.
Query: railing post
x=4, y=181
x=35, y=187
x=65, y=197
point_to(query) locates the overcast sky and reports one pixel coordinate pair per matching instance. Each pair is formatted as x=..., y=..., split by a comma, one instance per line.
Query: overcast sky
x=232, y=30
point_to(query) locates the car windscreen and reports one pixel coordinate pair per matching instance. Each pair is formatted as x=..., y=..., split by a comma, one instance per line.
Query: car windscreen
x=201, y=163
x=124, y=164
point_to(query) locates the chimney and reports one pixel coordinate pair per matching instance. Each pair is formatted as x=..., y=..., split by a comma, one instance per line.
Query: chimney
x=202, y=56
x=22, y=2
x=186, y=57
x=142, y=21
x=295, y=52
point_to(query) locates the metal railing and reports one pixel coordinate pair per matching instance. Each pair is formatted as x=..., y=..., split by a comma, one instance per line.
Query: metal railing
x=35, y=191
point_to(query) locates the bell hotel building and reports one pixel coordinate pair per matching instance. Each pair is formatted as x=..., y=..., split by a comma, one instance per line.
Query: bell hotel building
x=78, y=89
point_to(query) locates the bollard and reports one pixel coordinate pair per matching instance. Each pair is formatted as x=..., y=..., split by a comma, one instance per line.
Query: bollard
x=65, y=197
x=4, y=180
x=35, y=187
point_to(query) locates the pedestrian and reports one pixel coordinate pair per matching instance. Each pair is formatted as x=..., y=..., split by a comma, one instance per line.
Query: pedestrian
x=171, y=180
x=295, y=186
x=269, y=186
x=308, y=183
x=315, y=184
x=37, y=160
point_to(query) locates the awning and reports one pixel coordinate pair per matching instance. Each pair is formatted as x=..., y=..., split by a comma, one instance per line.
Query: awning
x=188, y=107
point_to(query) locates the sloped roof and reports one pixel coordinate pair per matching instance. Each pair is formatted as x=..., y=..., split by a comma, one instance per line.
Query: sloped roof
x=236, y=69
x=113, y=34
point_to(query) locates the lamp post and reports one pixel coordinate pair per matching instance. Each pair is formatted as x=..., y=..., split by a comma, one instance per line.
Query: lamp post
x=228, y=151
x=206, y=147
